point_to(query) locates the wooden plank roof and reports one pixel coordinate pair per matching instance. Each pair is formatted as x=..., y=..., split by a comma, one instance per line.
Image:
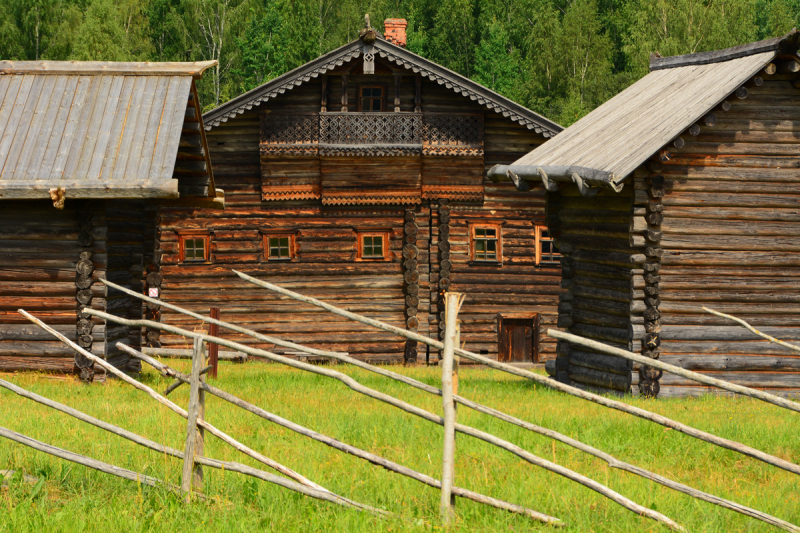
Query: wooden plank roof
x=94, y=129
x=397, y=55
x=609, y=143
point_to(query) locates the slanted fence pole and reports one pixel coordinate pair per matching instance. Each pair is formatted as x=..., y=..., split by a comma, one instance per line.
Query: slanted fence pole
x=192, y=478
x=452, y=302
x=213, y=349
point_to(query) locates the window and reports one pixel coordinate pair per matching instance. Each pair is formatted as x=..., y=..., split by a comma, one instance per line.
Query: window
x=546, y=251
x=373, y=246
x=279, y=247
x=370, y=98
x=486, y=244
x=194, y=247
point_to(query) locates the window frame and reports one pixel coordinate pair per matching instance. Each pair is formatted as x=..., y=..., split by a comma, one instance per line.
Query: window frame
x=539, y=240
x=205, y=236
x=499, y=239
x=266, y=236
x=382, y=86
x=360, y=245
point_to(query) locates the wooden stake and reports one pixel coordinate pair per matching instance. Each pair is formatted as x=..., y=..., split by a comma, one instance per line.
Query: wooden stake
x=358, y=387
x=205, y=461
x=521, y=372
x=393, y=467
x=213, y=348
x=111, y=369
x=341, y=446
x=191, y=478
x=452, y=303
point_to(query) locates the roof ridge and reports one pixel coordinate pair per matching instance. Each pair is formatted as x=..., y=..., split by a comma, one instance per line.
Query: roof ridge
x=398, y=55
x=786, y=44
x=107, y=68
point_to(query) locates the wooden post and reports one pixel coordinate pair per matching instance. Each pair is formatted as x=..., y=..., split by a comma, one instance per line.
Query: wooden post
x=456, y=361
x=192, y=473
x=452, y=301
x=213, y=349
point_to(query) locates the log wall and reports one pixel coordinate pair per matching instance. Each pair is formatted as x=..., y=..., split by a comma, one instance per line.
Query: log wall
x=51, y=262
x=403, y=290
x=603, y=274
x=730, y=242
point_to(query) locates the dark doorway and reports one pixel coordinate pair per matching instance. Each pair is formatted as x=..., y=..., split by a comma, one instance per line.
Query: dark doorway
x=518, y=338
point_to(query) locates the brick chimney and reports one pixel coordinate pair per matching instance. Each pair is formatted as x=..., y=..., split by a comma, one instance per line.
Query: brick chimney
x=394, y=30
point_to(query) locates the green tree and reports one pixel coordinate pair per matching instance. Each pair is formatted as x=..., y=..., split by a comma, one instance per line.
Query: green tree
x=675, y=27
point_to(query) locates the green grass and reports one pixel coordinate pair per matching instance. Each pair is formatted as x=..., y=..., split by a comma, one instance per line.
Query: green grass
x=73, y=498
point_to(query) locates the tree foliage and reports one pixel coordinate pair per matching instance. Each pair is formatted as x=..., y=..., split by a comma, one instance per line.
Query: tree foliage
x=561, y=58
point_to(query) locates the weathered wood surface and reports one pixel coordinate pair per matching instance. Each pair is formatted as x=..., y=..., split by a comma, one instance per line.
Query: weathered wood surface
x=582, y=356
x=191, y=480
x=325, y=264
x=202, y=423
x=694, y=376
x=83, y=460
x=336, y=444
x=574, y=391
x=729, y=229
x=358, y=387
x=205, y=461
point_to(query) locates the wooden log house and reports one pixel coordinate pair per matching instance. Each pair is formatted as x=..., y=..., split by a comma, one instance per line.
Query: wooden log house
x=358, y=178
x=681, y=192
x=84, y=148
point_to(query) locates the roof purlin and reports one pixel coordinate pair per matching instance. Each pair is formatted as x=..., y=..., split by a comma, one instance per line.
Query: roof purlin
x=398, y=55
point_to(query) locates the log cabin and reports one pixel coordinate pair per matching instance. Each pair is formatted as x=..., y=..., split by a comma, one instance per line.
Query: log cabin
x=84, y=148
x=681, y=192
x=359, y=178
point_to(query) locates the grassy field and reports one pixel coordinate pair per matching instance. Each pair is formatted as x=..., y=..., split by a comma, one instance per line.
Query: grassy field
x=72, y=498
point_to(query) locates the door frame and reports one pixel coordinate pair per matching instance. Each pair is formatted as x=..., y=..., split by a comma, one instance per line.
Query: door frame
x=534, y=318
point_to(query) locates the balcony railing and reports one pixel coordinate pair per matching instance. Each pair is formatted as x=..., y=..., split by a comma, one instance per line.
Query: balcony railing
x=372, y=134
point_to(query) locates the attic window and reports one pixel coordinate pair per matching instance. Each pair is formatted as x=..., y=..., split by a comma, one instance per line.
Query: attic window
x=546, y=251
x=371, y=98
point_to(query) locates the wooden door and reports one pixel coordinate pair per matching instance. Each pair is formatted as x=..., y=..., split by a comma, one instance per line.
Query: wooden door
x=518, y=339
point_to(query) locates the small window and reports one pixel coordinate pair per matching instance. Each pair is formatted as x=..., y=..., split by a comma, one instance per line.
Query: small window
x=373, y=246
x=486, y=244
x=371, y=98
x=546, y=251
x=194, y=248
x=279, y=247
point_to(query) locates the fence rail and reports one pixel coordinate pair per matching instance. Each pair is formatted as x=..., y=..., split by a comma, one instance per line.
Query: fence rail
x=196, y=424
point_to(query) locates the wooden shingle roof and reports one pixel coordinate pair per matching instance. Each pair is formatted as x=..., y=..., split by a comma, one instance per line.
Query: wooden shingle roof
x=100, y=129
x=608, y=144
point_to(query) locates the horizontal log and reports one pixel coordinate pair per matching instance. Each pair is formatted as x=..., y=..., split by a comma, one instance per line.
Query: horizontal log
x=701, y=362
x=602, y=362
x=598, y=378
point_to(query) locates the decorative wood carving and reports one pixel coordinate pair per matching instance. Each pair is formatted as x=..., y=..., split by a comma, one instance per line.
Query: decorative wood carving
x=448, y=134
x=384, y=134
x=295, y=134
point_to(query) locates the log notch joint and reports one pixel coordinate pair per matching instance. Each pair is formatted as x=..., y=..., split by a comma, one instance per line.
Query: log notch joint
x=444, y=262
x=83, y=295
x=411, y=281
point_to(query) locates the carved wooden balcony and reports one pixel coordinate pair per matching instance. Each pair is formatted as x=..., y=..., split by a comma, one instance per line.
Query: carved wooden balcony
x=371, y=134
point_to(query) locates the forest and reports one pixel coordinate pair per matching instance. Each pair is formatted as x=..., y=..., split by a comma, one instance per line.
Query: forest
x=561, y=58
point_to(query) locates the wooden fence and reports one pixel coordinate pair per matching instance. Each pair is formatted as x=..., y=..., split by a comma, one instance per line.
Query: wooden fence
x=197, y=426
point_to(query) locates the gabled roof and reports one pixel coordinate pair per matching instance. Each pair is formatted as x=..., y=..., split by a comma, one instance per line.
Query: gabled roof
x=101, y=130
x=398, y=55
x=609, y=143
